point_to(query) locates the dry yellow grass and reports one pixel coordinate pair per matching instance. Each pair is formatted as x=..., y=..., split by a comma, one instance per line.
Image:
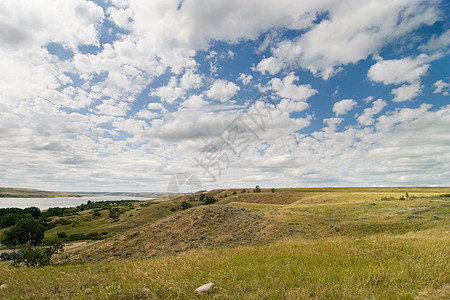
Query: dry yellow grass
x=358, y=246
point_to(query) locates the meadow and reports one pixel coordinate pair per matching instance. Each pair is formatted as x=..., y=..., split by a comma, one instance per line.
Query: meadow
x=337, y=243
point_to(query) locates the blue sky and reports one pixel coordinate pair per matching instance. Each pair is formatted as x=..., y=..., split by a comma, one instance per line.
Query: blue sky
x=133, y=95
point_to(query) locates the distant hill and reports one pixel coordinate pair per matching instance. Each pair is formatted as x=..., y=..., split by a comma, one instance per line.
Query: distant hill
x=31, y=193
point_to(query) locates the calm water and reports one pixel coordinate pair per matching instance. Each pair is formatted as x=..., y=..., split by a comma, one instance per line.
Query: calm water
x=44, y=203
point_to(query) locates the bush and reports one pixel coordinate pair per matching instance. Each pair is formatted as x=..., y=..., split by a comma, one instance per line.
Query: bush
x=62, y=234
x=209, y=200
x=8, y=256
x=76, y=237
x=257, y=189
x=63, y=221
x=185, y=205
x=273, y=190
x=234, y=193
x=243, y=191
x=114, y=213
x=38, y=256
x=202, y=197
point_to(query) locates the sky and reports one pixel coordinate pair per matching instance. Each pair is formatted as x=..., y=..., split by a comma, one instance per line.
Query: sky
x=165, y=95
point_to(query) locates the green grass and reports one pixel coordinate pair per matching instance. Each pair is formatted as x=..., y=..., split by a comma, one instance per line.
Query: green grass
x=86, y=222
x=385, y=249
x=388, y=267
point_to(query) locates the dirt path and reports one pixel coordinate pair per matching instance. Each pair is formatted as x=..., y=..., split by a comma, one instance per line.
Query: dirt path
x=66, y=247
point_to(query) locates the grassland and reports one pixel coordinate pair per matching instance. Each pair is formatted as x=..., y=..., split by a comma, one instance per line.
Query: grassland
x=359, y=243
x=31, y=193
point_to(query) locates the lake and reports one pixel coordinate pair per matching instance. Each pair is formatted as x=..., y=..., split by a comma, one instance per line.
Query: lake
x=44, y=203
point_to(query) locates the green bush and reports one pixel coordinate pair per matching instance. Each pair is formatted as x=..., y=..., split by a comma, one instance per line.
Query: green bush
x=185, y=205
x=32, y=256
x=209, y=200
x=62, y=234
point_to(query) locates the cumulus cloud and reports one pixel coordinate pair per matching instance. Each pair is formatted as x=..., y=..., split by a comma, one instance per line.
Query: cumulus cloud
x=26, y=24
x=367, y=116
x=222, y=90
x=82, y=119
x=406, y=92
x=285, y=88
x=170, y=92
x=342, y=107
x=398, y=71
x=348, y=35
x=441, y=87
x=245, y=78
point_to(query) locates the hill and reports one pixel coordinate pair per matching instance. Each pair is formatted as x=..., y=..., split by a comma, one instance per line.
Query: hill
x=31, y=193
x=197, y=228
x=337, y=243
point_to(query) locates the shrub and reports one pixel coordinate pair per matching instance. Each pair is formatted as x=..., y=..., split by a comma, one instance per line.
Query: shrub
x=76, y=237
x=243, y=191
x=38, y=256
x=114, y=213
x=8, y=256
x=209, y=200
x=185, y=205
x=62, y=234
x=257, y=189
x=234, y=193
x=273, y=190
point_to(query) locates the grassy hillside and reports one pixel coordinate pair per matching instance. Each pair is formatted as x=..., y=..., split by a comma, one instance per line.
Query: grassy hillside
x=30, y=193
x=292, y=244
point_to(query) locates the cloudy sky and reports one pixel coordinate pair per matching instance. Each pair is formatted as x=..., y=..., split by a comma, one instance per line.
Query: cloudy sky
x=134, y=95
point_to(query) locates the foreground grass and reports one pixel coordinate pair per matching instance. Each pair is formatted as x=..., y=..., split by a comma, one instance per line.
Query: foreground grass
x=379, y=267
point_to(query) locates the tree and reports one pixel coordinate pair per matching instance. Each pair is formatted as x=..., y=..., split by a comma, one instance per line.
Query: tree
x=25, y=231
x=33, y=211
x=257, y=189
x=9, y=220
x=273, y=190
x=38, y=256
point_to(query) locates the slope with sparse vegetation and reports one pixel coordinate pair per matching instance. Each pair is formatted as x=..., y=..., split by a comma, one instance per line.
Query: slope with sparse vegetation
x=283, y=244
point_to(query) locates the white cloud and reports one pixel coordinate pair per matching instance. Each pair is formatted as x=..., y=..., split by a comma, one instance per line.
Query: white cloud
x=286, y=88
x=398, y=71
x=190, y=80
x=245, y=78
x=367, y=116
x=441, y=87
x=195, y=101
x=112, y=108
x=222, y=90
x=25, y=24
x=437, y=42
x=406, y=92
x=342, y=107
x=269, y=65
x=348, y=35
x=170, y=92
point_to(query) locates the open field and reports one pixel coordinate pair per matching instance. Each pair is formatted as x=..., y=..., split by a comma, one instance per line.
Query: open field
x=367, y=243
